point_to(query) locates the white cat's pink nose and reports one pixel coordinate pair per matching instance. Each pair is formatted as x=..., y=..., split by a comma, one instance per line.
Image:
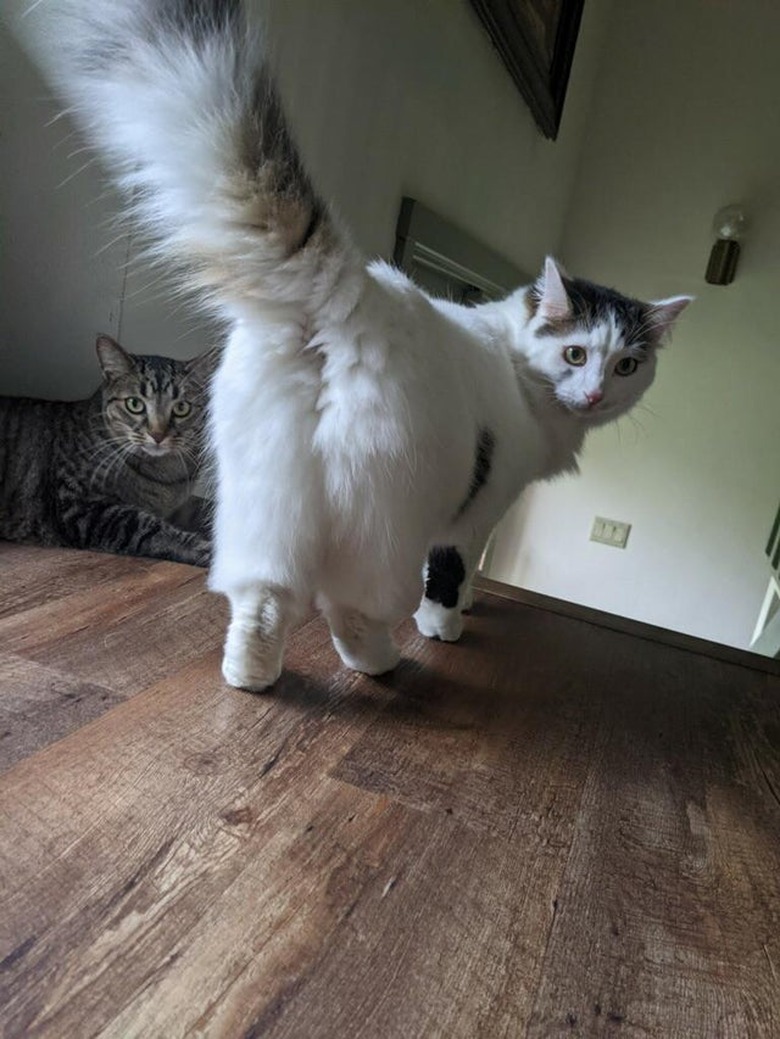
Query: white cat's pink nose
x=594, y=397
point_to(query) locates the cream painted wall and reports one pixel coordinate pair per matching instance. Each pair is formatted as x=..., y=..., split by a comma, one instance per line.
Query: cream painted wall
x=64, y=272
x=53, y=284
x=684, y=120
x=388, y=98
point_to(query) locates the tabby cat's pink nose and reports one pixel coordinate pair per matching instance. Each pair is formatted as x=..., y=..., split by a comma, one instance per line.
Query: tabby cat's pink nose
x=156, y=436
x=594, y=397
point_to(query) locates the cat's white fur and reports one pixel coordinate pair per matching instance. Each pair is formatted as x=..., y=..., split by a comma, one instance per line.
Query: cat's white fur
x=348, y=403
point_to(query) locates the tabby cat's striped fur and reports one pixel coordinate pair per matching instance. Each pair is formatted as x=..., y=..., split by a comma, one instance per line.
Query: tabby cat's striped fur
x=109, y=473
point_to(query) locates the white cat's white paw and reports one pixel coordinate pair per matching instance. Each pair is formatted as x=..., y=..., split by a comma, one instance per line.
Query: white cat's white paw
x=437, y=622
x=374, y=655
x=255, y=678
x=250, y=662
x=254, y=645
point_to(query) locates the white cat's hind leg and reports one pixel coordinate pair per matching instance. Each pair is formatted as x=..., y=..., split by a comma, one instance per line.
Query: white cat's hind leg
x=363, y=644
x=260, y=618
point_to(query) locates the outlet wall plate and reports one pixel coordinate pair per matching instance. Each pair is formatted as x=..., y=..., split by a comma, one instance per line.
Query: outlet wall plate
x=610, y=532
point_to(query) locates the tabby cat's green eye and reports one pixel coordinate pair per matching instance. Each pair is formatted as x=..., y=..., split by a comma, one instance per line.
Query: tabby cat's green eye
x=576, y=355
x=626, y=366
x=135, y=405
x=182, y=408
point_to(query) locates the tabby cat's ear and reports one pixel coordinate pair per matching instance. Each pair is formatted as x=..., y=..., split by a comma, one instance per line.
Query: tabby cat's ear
x=113, y=359
x=664, y=312
x=204, y=365
x=554, y=303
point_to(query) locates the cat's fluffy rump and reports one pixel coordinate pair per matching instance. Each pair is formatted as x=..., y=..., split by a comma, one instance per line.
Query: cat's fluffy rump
x=365, y=448
x=358, y=423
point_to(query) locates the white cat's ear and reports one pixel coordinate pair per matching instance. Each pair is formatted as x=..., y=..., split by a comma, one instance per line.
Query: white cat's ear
x=664, y=312
x=113, y=359
x=554, y=303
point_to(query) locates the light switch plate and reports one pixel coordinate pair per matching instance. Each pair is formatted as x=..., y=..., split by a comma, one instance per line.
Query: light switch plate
x=610, y=532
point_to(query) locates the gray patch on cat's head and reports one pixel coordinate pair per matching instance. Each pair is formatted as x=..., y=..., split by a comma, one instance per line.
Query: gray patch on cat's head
x=592, y=305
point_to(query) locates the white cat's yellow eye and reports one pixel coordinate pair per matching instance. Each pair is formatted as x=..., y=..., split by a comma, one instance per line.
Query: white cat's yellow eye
x=181, y=408
x=626, y=365
x=576, y=355
x=135, y=405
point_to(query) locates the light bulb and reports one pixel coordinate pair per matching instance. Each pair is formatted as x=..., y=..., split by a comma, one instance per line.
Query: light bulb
x=730, y=223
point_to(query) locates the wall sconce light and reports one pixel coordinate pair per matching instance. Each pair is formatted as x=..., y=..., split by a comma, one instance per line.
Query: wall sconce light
x=728, y=225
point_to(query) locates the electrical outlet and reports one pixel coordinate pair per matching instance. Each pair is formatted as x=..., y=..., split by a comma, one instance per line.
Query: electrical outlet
x=610, y=532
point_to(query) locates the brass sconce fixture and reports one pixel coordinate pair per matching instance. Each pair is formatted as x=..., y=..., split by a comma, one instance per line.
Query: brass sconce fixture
x=728, y=225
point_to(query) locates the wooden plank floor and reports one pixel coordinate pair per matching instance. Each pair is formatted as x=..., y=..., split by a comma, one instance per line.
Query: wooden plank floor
x=549, y=829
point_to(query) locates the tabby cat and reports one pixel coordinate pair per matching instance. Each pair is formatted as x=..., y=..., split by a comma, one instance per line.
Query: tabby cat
x=110, y=473
x=361, y=427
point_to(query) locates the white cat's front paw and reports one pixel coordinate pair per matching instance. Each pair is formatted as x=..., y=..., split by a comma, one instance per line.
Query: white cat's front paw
x=253, y=679
x=254, y=644
x=251, y=664
x=437, y=622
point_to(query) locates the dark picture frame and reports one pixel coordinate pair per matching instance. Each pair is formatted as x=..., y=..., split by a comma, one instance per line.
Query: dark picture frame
x=536, y=41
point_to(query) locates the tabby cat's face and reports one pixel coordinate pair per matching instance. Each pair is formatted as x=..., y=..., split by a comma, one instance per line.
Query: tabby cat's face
x=154, y=405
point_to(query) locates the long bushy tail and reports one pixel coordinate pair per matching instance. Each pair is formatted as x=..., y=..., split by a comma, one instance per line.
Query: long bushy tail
x=177, y=96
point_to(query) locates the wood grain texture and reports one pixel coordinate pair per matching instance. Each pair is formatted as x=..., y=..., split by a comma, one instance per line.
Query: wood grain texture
x=39, y=705
x=32, y=576
x=549, y=829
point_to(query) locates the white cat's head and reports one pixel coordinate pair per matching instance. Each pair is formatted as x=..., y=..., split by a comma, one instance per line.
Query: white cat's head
x=591, y=347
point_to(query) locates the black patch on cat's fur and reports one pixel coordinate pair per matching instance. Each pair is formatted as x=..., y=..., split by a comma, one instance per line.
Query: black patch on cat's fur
x=446, y=574
x=593, y=304
x=483, y=460
x=196, y=20
x=316, y=219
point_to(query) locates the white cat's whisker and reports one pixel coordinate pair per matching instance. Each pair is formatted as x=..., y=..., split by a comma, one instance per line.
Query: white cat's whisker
x=110, y=245
x=69, y=178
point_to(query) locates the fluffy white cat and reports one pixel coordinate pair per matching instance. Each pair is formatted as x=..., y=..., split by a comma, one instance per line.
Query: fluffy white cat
x=368, y=437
